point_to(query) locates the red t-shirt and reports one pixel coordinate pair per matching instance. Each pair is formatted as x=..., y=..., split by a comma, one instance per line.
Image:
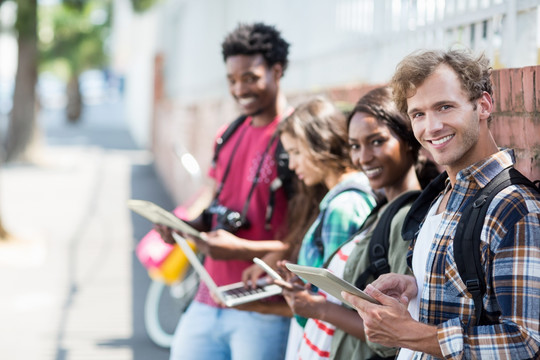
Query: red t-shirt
x=252, y=143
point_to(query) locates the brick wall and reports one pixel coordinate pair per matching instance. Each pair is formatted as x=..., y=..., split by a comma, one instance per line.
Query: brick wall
x=515, y=124
x=516, y=121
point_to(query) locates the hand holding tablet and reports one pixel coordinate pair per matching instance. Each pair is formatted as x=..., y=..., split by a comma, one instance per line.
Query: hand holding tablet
x=160, y=216
x=329, y=282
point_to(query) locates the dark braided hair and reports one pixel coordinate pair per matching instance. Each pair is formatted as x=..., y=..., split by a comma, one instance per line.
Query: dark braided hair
x=257, y=38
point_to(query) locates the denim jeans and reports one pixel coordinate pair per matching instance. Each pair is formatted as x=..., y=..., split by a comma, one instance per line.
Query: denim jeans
x=208, y=333
x=296, y=333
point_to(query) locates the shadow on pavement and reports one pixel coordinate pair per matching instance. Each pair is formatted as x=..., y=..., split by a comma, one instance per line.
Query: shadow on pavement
x=103, y=127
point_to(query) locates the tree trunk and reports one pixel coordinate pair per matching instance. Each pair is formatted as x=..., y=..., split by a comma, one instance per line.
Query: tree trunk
x=74, y=104
x=3, y=233
x=23, y=133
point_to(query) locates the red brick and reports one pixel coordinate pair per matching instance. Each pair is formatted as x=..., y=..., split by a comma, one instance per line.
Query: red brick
x=528, y=88
x=496, y=91
x=530, y=138
x=516, y=76
x=349, y=94
x=537, y=85
x=535, y=166
x=505, y=90
x=528, y=162
x=501, y=128
x=516, y=131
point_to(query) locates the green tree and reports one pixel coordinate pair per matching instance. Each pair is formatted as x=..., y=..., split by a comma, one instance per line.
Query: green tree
x=23, y=133
x=22, y=129
x=75, y=43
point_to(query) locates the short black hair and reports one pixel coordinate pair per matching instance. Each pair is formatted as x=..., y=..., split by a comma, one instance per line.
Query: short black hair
x=257, y=38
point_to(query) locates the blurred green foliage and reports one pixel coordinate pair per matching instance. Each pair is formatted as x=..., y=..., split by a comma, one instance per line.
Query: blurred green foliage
x=26, y=18
x=142, y=5
x=73, y=35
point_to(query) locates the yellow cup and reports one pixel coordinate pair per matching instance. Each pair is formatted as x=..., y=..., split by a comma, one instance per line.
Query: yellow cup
x=174, y=267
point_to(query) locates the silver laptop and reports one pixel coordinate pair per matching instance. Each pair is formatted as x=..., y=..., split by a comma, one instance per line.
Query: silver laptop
x=232, y=294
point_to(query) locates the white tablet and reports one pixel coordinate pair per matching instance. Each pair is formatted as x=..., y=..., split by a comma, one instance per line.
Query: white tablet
x=160, y=216
x=329, y=282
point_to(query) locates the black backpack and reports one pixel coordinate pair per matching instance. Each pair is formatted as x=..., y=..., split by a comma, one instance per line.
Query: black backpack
x=467, y=237
x=379, y=243
x=285, y=177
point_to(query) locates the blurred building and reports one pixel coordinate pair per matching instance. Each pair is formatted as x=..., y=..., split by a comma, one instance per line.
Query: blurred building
x=176, y=92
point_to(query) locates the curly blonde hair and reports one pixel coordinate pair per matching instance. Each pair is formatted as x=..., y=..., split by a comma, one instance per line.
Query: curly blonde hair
x=415, y=68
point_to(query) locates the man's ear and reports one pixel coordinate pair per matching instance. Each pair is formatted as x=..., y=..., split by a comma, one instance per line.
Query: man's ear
x=485, y=105
x=278, y=71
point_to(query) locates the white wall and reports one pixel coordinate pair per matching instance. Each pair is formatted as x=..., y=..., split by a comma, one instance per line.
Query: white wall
x=134, y=49
x=333, y=42
x=339, y=42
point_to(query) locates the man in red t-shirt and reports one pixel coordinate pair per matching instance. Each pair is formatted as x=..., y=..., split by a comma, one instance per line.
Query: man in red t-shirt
x=256, y=58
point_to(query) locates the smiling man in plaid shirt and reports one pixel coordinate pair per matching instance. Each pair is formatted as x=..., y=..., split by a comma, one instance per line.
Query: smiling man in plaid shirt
x=448, y=97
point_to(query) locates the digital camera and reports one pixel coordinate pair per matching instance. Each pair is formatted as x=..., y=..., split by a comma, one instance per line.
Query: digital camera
x=226, y=218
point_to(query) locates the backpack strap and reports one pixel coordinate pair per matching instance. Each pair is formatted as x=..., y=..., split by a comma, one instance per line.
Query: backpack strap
x=284, y=174
x=285, y=179
x=467, y=237
x=419, y=209
x=220, y=141
x=380, y=243
x=363, y=189
x=378, y=357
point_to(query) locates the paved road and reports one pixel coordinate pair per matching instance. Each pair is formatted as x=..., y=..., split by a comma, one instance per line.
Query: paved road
x=70, y=286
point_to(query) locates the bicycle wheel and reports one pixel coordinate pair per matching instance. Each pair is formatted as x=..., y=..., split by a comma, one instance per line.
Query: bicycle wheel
x=164, y=306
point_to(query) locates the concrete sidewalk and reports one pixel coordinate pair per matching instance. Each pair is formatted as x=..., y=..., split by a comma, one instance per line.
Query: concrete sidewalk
x=71, y=287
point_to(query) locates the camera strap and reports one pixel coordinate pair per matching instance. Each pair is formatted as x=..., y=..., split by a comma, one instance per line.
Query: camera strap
x=255, y=179
x=271, y=200
x=228, y=168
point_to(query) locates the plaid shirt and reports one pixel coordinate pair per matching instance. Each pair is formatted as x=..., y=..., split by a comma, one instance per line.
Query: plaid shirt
x=510, y=251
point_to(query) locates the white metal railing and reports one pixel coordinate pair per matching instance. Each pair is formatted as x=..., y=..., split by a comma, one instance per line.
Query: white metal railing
x=504, y=28
x=334, y=43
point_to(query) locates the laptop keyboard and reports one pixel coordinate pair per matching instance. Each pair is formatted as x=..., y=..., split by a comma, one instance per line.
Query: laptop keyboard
x=242, y=291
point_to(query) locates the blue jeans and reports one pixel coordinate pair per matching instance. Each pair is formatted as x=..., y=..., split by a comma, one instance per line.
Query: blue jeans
x=208, y=333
